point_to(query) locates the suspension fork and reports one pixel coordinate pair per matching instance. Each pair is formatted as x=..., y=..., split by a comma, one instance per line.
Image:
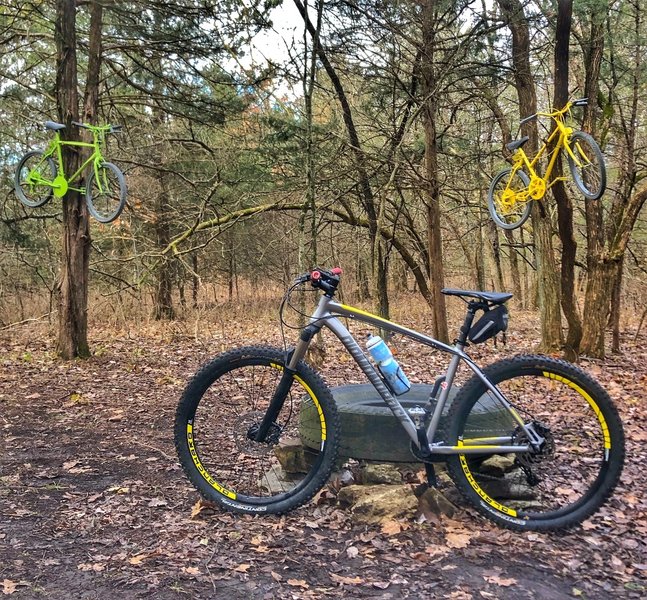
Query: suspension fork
x=287, y=378
x=276, y=404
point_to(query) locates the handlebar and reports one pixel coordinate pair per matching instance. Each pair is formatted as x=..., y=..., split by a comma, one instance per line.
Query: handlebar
x=322, y=279
x=106, y=128
x=578, y=102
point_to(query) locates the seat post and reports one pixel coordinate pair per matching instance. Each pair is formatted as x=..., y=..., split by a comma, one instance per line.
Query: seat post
x=472, y=307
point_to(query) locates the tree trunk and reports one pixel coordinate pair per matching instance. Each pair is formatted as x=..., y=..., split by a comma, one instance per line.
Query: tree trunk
x=514, y=266
x=493, y=234
x=163, y=306
x=73, y=287
x=564, y=204
x=432, y=191
x=195, y=279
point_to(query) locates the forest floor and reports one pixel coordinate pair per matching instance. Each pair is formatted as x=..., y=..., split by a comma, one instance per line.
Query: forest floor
x=94, y=505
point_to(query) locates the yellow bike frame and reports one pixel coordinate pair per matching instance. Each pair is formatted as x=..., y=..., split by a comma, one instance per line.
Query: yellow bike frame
x=539, y=185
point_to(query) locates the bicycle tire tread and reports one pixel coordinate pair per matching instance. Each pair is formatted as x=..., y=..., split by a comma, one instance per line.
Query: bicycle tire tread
x=517, y=363
x=205, y=375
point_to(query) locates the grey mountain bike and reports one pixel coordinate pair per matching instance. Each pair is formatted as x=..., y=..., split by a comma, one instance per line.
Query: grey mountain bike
x=257, y=429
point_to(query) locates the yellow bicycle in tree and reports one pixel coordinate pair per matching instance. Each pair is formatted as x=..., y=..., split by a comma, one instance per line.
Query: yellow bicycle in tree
x=511, y=191
x=40, y=175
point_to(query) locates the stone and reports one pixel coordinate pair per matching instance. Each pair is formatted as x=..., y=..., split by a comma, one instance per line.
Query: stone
x=509, y=487
x=293, y=456
x=498, y=464
x=374, y=503
x=381, y=473
x=434, y=502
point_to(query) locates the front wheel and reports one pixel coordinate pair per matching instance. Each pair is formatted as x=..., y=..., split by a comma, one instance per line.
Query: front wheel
x=578, y=464
x=105, y=192
x=218, y=417
x=508, y=199
x=587, y=167
x=34, y=179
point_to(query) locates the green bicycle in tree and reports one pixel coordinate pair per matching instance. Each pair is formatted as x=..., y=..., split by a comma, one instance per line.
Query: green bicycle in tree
x=40, y=174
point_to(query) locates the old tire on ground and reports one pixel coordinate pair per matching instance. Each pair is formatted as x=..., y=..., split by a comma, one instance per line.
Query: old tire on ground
x=368, y=428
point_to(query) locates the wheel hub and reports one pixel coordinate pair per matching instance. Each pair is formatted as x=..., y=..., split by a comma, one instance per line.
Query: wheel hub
x=546, y=450
x=245, y=430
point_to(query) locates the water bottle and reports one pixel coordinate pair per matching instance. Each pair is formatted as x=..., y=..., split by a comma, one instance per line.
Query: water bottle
x=395, y=379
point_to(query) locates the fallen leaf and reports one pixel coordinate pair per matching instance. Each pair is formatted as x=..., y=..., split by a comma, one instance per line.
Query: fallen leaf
x=352, y=552
x=243, y=567
x=502, y=581
x=298, y=583
x=8, y=587
x=155, y=502
x=458, y=540
x=191, y=570
x=200, y=506
x=346, y=580
x=276, y=576
x=139, y=558
x=390, y=527
x=96, y=567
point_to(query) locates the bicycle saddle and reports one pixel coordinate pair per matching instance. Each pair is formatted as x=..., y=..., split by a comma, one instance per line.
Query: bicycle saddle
x=54, y=126
x=512, y=146
x=492, y=297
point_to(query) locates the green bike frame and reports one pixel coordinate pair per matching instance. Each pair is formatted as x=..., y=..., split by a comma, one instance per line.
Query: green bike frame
x=61, y=183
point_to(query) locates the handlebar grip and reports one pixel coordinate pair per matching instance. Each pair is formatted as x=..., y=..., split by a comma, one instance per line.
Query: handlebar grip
x=80, y=125
x=115, y=128
x=580, y=102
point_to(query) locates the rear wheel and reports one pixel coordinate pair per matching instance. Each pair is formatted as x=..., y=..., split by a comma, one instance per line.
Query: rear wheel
x=34, y=178
x=577, y=466
x=105, y=194
x=509, y=201
x=215, y=424
x=587, y=167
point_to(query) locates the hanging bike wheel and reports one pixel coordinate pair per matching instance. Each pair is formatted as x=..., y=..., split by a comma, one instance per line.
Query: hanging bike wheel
x=106, y=194
x=34, y=177
x=578, y=464
x=587, y=165
x=508, y=200
x=218, y=416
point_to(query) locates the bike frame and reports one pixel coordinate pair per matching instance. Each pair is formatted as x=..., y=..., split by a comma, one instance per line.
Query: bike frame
x=563, y=133
x=55, y=149
x=327, y=315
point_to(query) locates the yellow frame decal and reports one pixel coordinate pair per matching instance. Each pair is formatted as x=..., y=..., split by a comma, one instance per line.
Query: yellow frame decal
x=594, y=406
x=359, y=311
x=322, y=420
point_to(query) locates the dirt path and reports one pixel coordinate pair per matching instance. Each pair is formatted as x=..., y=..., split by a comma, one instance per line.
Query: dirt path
x=93, y=504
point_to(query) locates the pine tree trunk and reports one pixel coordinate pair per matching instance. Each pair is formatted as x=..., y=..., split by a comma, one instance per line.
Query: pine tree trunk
x=73, y=285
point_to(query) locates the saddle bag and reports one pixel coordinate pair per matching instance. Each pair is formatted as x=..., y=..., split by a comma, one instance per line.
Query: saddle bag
x=492, y=322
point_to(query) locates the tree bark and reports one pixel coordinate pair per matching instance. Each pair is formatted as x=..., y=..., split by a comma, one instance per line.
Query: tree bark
x=607, y=245
x=73, y=287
